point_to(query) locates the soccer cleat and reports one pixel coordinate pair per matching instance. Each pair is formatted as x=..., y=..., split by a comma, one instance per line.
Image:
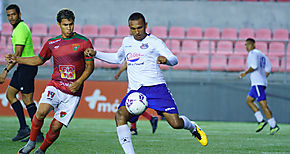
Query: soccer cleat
x=261, y=125
x=22, y=133
x=199, y=135
x=133, y=131
x=38, y=151
x=154, y=121
x=274, y=130
x=27, y=148
x=39, y=138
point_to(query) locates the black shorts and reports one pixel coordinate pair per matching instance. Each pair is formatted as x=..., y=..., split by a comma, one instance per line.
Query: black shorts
x=23, y=78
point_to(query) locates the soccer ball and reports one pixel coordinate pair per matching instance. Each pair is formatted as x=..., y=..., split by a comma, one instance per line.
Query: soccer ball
x=136, y=103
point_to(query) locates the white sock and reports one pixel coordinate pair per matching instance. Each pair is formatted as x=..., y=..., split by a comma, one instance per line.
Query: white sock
x=187, y=124
x=259, y=116
x=124, y=135
x=272, y=122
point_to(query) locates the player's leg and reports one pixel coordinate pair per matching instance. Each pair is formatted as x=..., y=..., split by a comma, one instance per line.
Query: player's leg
x=123, y=131
x=252, y=95
x=153, y=120
x=37, y=123
x=24, y=130
x=271, y=120
x=182, y=122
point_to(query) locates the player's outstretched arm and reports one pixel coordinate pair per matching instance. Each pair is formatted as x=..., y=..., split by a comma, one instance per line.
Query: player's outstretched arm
x=243, y=74
x=74, y=87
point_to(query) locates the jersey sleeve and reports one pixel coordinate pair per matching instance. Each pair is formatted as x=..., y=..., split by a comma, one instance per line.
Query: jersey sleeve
x=268, y=66
x=20, y=36
x=114, y=58
x=88, y=44
x=253, y=60
x=45, y=52
x=164, y=51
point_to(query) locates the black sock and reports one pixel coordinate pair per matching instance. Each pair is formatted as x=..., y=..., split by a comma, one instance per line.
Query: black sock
x=31, y=108
x=18, y=109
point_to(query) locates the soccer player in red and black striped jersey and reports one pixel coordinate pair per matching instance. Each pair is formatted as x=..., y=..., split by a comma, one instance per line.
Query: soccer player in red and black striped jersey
x=63, y=92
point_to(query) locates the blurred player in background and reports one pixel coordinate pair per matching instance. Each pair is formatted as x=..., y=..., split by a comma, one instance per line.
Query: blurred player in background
x=153, y=120
x=259, y=67
x=63, y=92
x=144, y=53
x=21, y=80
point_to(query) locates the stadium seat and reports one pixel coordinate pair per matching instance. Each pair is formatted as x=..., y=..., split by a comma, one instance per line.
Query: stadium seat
x=275, y=63
x=123, y=31
x=240, y=49
x=189, y=47
x=36, y=44
x=173, y=46
x=177, y=32
x=107, y=65
x=184, y=62
x=107, y=31
x=283, y=0
x=263, y=34
x=39, y=30
x=212, y=33
x=204, y=47
x=3, y=43
x=116, y=44
x=159, y=31
x=246, y=33
x=276, y=49
x=102, y=44
x=45, y=39
x=281, y=35
x=6, y=29
x=90, y=30
x=262, y=46
x=224, y=48
x=229, y=34
x=78, y=29
x=194, y=33
x=54, y=30
x=200, y=62
x=282, y=68
x=236, y=64
x=218, y=63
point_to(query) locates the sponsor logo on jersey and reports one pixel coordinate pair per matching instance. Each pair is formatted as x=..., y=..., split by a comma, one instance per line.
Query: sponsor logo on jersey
x=144, y=46
x=75, y=46
x=62, y=114
x=54, y=41
x=67, y=71
x=133, y=57
x=56, y=46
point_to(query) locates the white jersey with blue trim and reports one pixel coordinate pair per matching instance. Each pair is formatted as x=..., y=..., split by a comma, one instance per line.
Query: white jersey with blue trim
x=261, y=64
x=141, y=57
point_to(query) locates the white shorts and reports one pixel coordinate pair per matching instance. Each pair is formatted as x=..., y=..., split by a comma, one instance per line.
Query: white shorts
x=64, y=105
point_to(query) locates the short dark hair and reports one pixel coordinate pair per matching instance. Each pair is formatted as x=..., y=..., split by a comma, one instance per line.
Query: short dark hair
x=136, y=16
x=251, y=40
x=13, y=6
x=65, y=14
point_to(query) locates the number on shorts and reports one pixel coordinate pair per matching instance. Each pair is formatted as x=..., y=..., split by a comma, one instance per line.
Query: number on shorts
x=50, y=94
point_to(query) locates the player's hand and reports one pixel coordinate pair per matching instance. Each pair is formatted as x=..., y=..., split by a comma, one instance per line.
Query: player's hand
x=10, y=58
x=75, y=86
x=117, y=76
x=161, y=60
x=242, y=75
x=89, y=52
x=3, y=76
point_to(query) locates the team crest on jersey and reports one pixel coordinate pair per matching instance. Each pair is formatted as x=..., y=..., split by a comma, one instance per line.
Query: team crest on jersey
x=62, y=114
x=133, y=57
x=76, y=47
x=144, y=46
x=67, y=71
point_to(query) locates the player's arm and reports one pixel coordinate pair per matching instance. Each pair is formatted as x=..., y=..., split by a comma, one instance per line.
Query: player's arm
x=17, y=52
x=122, y=69
x=249, y=70
x=252, y=63
x=32, y=61
x=74, y=87
x=268, y=67
x=166, y=56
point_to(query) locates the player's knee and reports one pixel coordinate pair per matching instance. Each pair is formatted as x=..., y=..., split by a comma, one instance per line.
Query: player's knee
x=40, y=114
x=176, y=125
x=121, y=117
x=263, y=104
x=250, y=100
x=11, y=98
x=56, y=126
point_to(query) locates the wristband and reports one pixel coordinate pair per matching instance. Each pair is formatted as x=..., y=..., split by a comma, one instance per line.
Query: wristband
x=6, y=69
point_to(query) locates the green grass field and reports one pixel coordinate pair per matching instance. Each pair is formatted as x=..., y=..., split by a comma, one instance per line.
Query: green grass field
x=95, y=136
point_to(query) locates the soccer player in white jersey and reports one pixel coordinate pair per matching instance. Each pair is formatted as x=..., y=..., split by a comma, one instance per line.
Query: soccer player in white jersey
x=144, y=53
x=259, y=68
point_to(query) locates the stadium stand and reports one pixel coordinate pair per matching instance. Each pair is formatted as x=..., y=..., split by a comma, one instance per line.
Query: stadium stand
x=184, y=62
x=240, y=49
x=107, y=31
x=36, y=44
x=177, y=32
x=224, y=48
x=281, y=34
x=229, y=34
x=282, y=68
x=102, y=44
x=173, y=45
x=90, y=31
x=263, y=47
x=200, y=62
x=263, y=34
x=78, y=29
x=236, y=63
x=212, y=33
x=275, y=63
x=246, y=33
x=54, y=30
x=116, y=43
x=194, y=33
x=123, y=31
x=276, y=49
x=39, y=30
x=159, y=31
x=218, y=63
x=189, y=47
x=204, y=47
x=6, y=29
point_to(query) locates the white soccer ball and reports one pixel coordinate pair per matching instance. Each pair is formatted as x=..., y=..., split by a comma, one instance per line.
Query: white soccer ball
x=136, y=103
